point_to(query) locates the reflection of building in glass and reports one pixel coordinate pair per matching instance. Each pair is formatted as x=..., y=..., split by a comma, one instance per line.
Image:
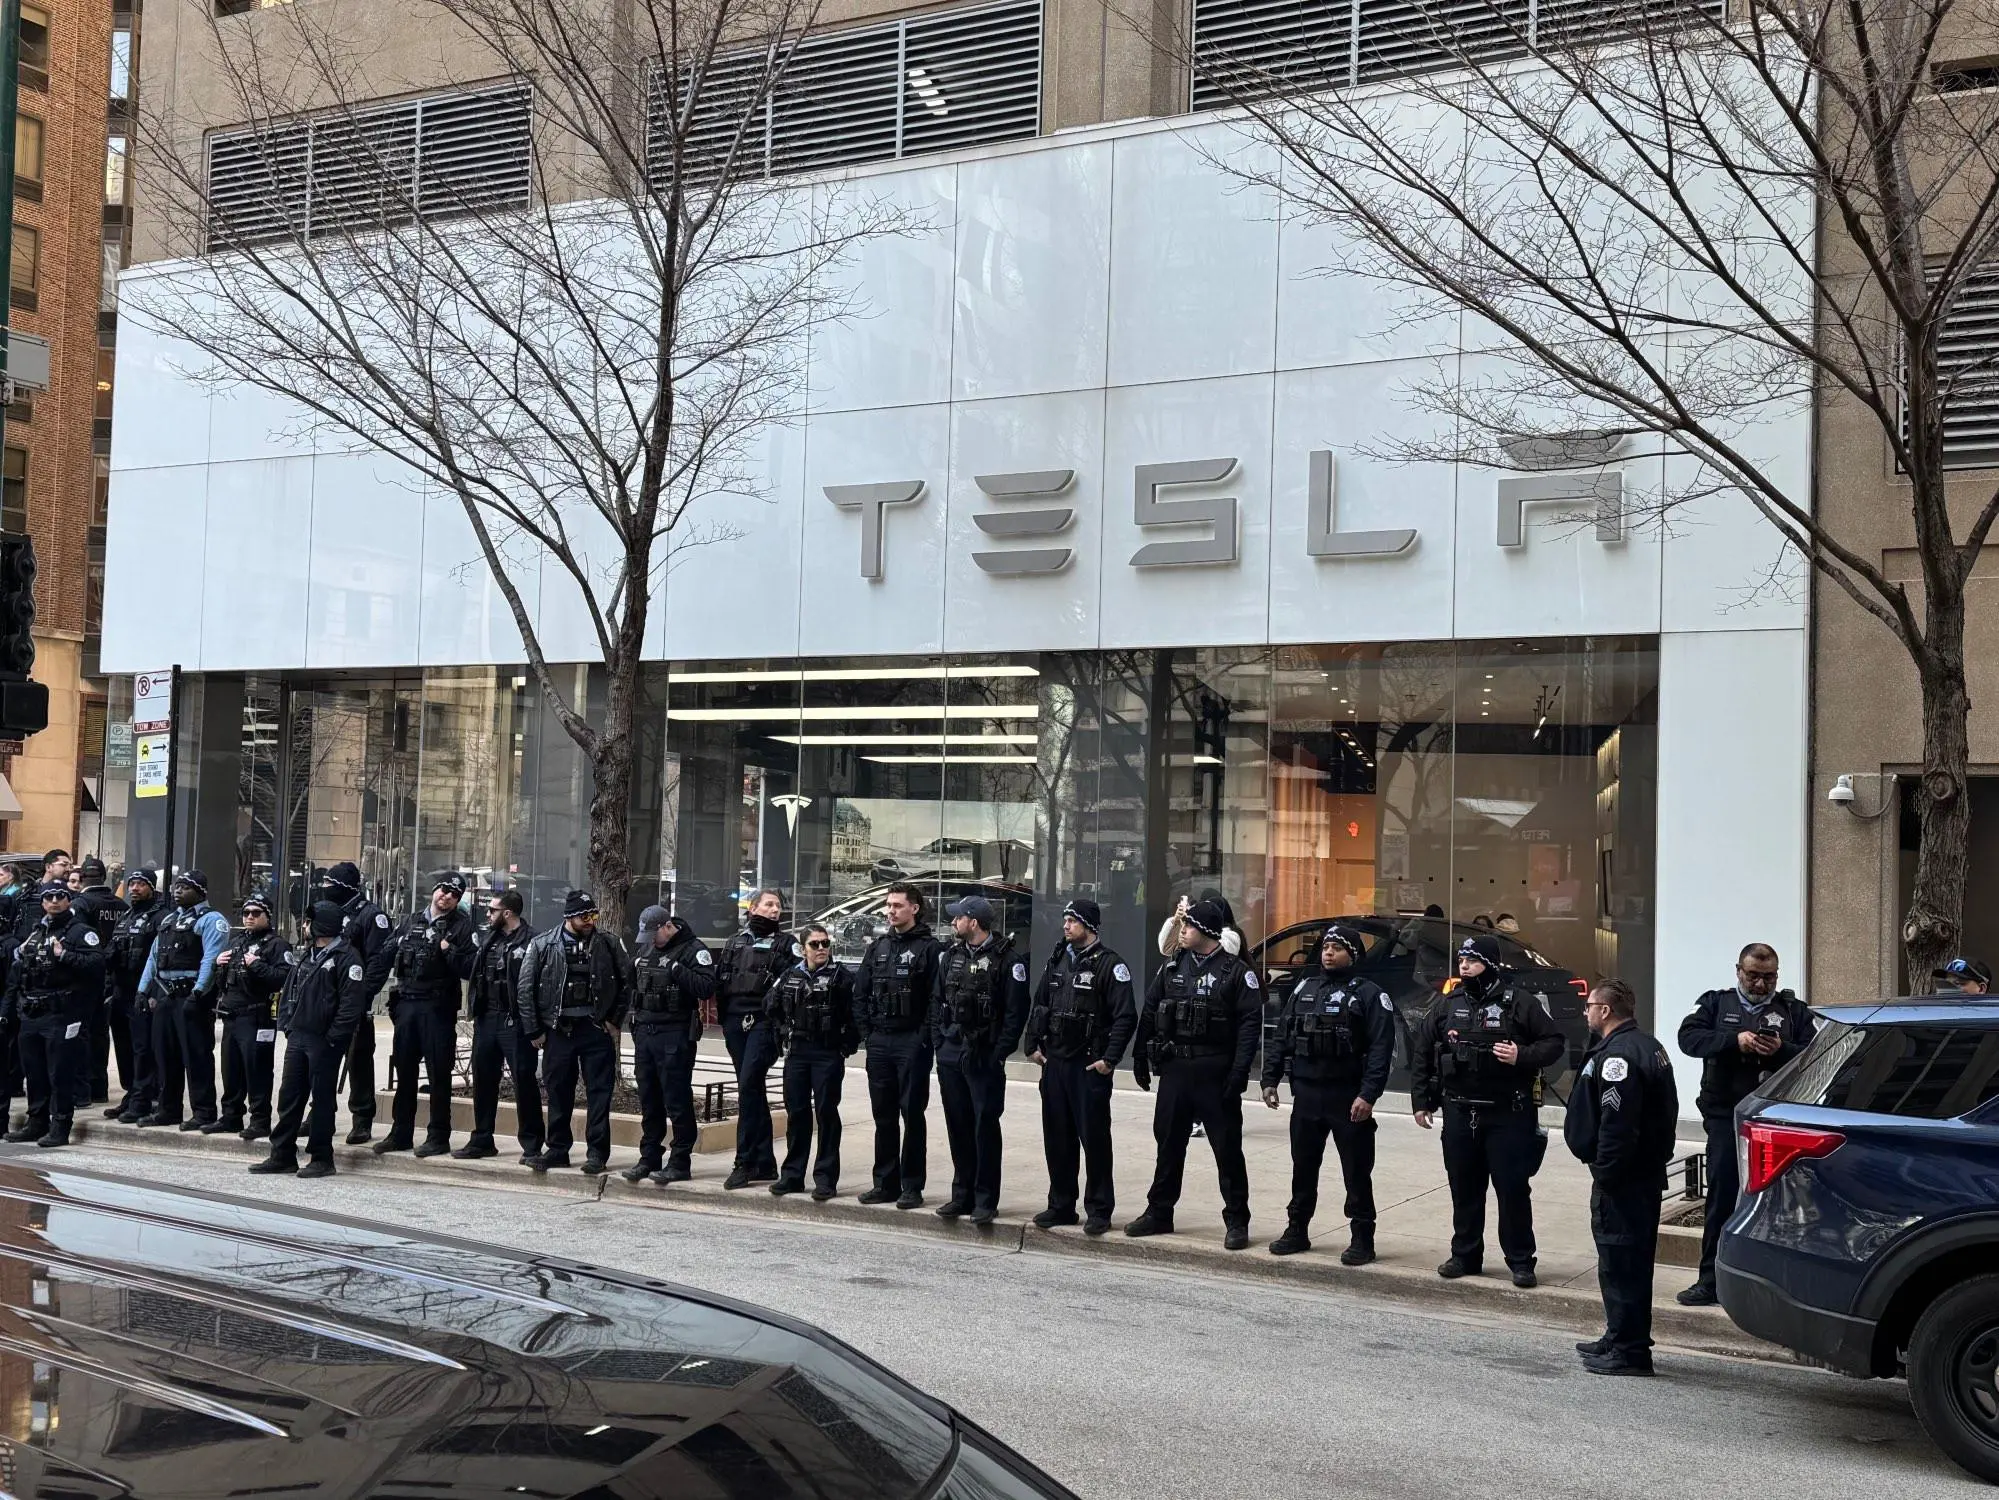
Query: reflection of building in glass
x=852, y=850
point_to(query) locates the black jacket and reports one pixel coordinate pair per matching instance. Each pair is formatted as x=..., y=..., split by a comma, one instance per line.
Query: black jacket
x=103, y=906
x=131, y=941
x=432, y=955
x=669, y=983
x=1336, y=1030
x=326, y=994
x=1200, y=1006
x=544, y=979
x=896, y=981
x=498, y=994
x=367, y=933
x=1083, y=1006
x=1623, y=1111
x=254, y=974
x=814, y=1009
x=1713, y=1034
x=1451, y=1057
x=69, y=984
x=749, y=965
x=982, y=995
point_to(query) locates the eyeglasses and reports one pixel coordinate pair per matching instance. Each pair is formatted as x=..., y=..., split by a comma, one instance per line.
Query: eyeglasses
x=818, y=943
x=1589, y=1005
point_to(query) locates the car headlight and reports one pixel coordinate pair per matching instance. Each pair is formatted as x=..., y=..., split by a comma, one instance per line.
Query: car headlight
x=985, y=1470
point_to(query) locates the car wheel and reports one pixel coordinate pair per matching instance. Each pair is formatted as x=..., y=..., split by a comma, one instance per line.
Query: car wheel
x=1953, y=1365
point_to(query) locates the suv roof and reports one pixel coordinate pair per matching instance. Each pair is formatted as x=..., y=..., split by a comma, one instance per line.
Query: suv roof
x=1958, y=1008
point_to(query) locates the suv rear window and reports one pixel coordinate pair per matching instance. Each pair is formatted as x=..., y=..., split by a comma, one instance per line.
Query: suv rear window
x=1923, y=1072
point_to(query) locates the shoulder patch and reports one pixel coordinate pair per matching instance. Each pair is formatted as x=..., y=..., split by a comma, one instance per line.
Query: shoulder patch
x=90, y=938
x=356, y=973
x=382, y=920
x=1386, y=1003
x=1249, y=978
x=290, y=957
x=703, y=957
x=1120, y=973
x=1589, y=1068
x=1615, y=1069
x=1020, y=973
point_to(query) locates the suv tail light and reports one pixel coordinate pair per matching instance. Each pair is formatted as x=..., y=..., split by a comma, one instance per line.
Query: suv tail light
x=1772, y=1148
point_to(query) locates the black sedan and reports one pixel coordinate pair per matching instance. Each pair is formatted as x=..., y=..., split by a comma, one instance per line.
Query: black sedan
x=1413, y=958
x=162, y=1343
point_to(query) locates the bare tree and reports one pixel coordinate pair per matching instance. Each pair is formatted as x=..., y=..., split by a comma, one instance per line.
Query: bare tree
x=1676, y=219
x=577, y=355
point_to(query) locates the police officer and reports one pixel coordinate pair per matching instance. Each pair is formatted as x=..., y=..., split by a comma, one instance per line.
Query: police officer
x=749, y=967
x=432, y=957
x=28, y=911
x=130, y=946
x=672, y=973
x=99, y=905
x=576, y=985
x=1964, y=976
x=1479, y=1052
x=1081, y=1021
x=1621, y=1121
x=976, y=1021
x=1335, y=1038
x=367, y=933
x=893, y=988
x=178, y=978
x=249, y=974
x=57, y=977
x=1199, y=1028
x=813, y=1006
x=497, y=1038
x=326, y=995
x=1742, y=1036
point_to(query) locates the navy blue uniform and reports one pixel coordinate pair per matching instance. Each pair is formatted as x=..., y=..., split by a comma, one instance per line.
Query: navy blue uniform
x=976, y=1020
x=431, y=956
x=814, y=1009
x=893, y=988
x=1335, y=1041
x=131, y=1019
x=368, y=933
x=750, y=964
x=1083, y=1014
x=1198, y=1030
x=668, y=985
x=56, y=980
x=500, y=1043
x=252, y=972
x=325, y=999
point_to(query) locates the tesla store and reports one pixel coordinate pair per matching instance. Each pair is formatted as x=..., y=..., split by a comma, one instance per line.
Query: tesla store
x=1081, y=571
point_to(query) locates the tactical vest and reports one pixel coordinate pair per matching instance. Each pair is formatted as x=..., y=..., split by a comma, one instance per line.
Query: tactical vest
x=1472, y=1027
x=132, y=937
x=239, y=990
x=973, y=990
x=1195, y=1014
x=752, y=964
x=658, y=994
x=892, y=985
x=1325, y=1023
x=418, y=960
x=41, y=991
x=576, y=999
x=491, y=981
x=1079, y=1001
x=809, y=1006
x=179, y=950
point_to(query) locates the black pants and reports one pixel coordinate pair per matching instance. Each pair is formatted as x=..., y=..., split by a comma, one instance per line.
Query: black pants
x=754, y=1052
x=249, y=1048
x=427, y=1034
x=1319, y=1110
x=586, y=1048
x=1502, y=1147
x=361, y=1071
x=184, y=1057
x=1076, y=1112
x=1191, y=1090
x=1624, y=1221
x=813, y=1078
x=1724, y=1186
x=311, y=1079
x=96, y=1086
x=898, y=1094
x=663, y=1057
x=499, y=1043
x=134, y=1059
x=973, y=1090
x=51, y=1062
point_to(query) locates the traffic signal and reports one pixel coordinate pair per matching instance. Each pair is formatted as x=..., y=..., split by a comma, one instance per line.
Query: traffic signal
x=24, y=705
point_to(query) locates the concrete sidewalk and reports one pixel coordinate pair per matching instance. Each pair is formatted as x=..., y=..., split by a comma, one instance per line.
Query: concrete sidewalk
x=1412, y=1198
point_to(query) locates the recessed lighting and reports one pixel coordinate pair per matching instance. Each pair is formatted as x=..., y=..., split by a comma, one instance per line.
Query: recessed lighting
x=908, y=711
x=944, y=756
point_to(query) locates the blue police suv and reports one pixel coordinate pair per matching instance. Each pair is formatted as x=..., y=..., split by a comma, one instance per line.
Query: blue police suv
x=1867, y=1236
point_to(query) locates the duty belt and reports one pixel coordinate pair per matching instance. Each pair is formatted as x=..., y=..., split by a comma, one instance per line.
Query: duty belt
x=34, y=1007
x=576, y=1013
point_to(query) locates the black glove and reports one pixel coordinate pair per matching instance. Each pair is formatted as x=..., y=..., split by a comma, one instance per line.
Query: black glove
x=1141, y=1074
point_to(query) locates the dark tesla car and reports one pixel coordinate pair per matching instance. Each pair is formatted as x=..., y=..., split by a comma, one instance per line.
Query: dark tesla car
x=160, y=1343
x=1413, y=958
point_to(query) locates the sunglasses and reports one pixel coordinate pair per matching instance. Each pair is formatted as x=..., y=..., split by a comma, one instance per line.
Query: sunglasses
x=819, y=943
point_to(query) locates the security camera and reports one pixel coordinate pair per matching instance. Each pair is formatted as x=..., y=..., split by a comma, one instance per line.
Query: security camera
x=1842, y=792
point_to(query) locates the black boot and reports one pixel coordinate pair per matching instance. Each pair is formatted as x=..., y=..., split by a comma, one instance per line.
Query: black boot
x=271, y=1166
x=27, y=1130
x=1149, y=1223
x=1293, y=1240
x=58, y=1132
x=1360, y=1250
x=222, y=1126
x=257, y=1129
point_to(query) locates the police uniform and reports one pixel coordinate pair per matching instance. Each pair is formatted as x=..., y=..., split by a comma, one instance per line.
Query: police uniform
x=893, y=988
x=325, y=997
x=130, y=946
x=1491, y=1128
x=499, y=1042
x=1198, y=1030
x=814, y=1011
x=574, y=993
x=749, y=965
x=1335, y=1041
x=1728, y=1076
x=248, y=1006
x=976, y=1021
x=56, y=980
x=367, y=930
x=1083, y=1013
x=179, y=981
x=669, y=982
x=1621, y=1121
x=101, y=907
x=432, y=955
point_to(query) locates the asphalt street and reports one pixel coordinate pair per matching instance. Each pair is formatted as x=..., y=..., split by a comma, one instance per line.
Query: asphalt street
x=1127, y=1382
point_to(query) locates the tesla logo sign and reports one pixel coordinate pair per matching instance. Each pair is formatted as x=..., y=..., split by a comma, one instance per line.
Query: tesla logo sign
x=1201, y=523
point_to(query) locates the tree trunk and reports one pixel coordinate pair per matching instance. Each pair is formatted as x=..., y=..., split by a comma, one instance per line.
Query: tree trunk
x=611, y=792
x=1933, y=928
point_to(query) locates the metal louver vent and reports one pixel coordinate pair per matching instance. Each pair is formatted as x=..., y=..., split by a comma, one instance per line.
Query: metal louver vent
x=1271, y=46
x=1968, y=373
x=870, y=93
x=457, y=153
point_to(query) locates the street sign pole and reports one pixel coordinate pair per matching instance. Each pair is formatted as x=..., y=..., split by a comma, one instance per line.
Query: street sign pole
x=10, y=79
x=173, y=766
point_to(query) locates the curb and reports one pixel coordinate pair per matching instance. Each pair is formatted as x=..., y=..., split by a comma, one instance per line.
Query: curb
x=1487, y=1297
